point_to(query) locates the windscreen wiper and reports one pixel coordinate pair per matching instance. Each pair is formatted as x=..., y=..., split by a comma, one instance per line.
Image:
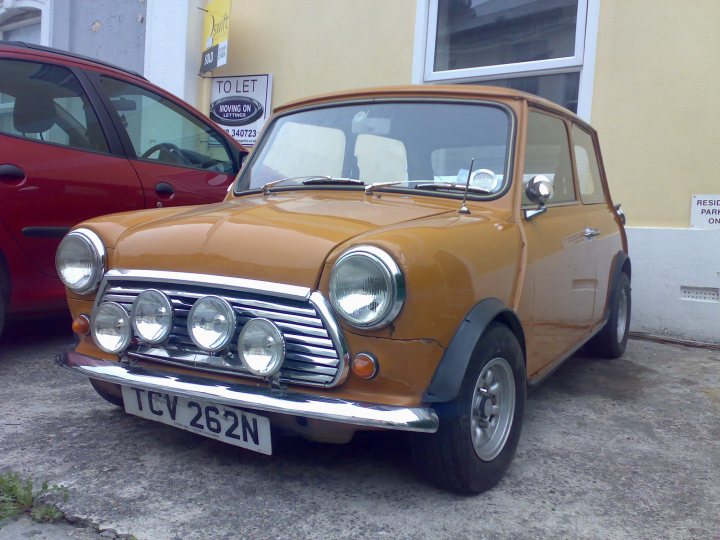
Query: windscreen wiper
x=336, y=180
x=312, y=180
x=425, y=184
x=435, y=186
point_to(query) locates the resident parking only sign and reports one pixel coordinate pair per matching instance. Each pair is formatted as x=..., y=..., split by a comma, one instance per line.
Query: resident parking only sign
x=241, y=105
x=705, y=212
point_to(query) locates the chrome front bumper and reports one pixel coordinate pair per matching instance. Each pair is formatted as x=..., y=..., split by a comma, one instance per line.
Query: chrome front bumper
x=422, y=419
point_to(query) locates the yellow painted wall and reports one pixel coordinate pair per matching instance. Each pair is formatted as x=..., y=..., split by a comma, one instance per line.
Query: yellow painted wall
x=656, y=105
x=318, y=46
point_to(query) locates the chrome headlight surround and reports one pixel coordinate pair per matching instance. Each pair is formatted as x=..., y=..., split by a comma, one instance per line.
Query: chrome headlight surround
x=394, y=283
x=122, y=325
x=163, y=307
x=268, y=340
x=221, y=308
x=96, y=257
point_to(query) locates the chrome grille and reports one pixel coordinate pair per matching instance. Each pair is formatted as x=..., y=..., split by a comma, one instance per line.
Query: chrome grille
x=314, y=356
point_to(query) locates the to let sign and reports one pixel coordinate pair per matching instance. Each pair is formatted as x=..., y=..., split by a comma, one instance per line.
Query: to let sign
x=705, y=212
x=241, y=105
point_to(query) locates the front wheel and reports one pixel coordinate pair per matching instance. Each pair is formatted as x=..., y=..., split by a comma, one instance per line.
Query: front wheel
x=480, y=430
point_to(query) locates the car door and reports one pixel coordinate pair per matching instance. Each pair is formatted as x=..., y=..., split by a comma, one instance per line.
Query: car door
x=179, y=158
x=58, y=163
x=601, y=220
x=561, y=260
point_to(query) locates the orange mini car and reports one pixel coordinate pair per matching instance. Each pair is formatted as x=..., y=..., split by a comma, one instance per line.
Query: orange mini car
x=399, y=258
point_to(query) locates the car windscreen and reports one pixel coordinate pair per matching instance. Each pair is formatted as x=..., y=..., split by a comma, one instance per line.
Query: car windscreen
x=411, y=143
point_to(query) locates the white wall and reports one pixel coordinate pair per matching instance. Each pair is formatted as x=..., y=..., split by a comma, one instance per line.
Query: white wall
x=172, y=46
x=663, y=261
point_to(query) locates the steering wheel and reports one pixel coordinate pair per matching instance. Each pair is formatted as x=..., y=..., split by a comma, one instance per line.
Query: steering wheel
x=167, y=152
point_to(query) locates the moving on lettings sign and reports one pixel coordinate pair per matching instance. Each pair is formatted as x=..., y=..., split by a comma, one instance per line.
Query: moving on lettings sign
x=241, y=105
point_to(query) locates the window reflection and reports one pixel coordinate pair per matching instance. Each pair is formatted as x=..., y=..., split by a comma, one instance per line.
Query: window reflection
x=478, y=33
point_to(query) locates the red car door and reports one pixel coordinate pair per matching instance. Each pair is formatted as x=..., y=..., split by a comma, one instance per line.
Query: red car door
x=180, y=158
x=57, y=166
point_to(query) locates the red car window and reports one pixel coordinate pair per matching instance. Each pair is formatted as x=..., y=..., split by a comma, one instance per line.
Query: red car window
x=46, y=103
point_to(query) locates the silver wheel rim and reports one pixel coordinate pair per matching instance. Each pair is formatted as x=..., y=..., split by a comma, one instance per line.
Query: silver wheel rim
x=622, y=315
x=492, y=409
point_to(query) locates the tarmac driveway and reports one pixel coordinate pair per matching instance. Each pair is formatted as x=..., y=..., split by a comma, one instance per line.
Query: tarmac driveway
x=621, y=449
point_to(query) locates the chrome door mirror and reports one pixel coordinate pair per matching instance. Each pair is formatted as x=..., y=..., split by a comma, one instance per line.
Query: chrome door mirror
x=539, y=189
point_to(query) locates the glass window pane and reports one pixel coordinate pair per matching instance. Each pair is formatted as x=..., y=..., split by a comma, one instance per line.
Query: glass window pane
x=477, y=33
x=591, y=190
x=385, y=142
x=301, y=150
x=161, y=131
x=46, y=103
x=379, y=158
x=547, y=152
x=561, y=88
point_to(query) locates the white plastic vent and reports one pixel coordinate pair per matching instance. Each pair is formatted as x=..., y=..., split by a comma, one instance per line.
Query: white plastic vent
x=700, y=294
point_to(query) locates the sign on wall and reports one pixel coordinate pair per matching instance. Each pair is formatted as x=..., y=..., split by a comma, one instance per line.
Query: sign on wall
x=705, y=212
x=216, y=30
x=241, y=105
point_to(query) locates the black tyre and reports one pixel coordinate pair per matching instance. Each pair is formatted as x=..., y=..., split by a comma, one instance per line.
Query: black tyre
x=611, y=341
x=4, y=300
x=107, y=396
x=3, y=308
x=479, y=431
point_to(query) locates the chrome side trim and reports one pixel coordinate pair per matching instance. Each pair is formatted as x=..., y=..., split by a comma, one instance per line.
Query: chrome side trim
x=336, y=335
x=420, y=419
x=238, y=284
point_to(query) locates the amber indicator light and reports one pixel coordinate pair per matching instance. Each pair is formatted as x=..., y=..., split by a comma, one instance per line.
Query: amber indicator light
x=81, y=325
x=365, y=366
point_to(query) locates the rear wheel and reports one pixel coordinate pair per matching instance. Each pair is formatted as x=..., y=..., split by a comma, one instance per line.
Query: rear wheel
x=611, y=341
x=107, y=396
x=479, y=431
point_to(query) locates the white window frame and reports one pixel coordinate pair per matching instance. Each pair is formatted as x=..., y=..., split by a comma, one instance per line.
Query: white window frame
x=44, y=17
x=582, y=61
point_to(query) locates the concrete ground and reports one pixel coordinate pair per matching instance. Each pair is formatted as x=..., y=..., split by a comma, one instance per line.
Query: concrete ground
x=611, y=449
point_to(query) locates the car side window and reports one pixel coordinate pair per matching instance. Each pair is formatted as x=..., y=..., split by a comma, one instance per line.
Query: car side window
x=588, y=171
x=547, y=152
x=161, y=131
x=46, y=103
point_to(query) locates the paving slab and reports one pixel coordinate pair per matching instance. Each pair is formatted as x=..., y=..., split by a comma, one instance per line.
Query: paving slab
x=628, y=448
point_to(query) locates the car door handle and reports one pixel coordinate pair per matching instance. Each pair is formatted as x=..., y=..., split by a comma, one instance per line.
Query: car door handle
x=590, y=232
x=11, y=173
x=164, y=189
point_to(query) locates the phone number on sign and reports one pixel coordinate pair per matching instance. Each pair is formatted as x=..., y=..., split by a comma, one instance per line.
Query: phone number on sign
x=242, y=132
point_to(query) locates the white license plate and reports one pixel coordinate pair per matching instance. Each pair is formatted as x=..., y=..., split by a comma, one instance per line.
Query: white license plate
x=213, y=420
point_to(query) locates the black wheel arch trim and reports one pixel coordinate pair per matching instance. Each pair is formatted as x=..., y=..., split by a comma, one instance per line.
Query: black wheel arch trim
x=450, y=373
x=621, y=261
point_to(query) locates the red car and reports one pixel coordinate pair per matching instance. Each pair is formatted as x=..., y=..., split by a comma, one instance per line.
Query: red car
x=80, y=138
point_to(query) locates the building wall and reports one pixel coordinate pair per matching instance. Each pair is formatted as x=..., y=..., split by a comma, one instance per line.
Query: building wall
x=655, y=105
x=110, y=30
x=655, y=79
x=321, y=46
x=656, y=110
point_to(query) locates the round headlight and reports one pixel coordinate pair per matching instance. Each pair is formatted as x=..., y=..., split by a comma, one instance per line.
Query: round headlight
x=152, y=316
x=261, y=347
x=111, y=328
x=211, y=323
x=80, y=260
x=366, y=287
